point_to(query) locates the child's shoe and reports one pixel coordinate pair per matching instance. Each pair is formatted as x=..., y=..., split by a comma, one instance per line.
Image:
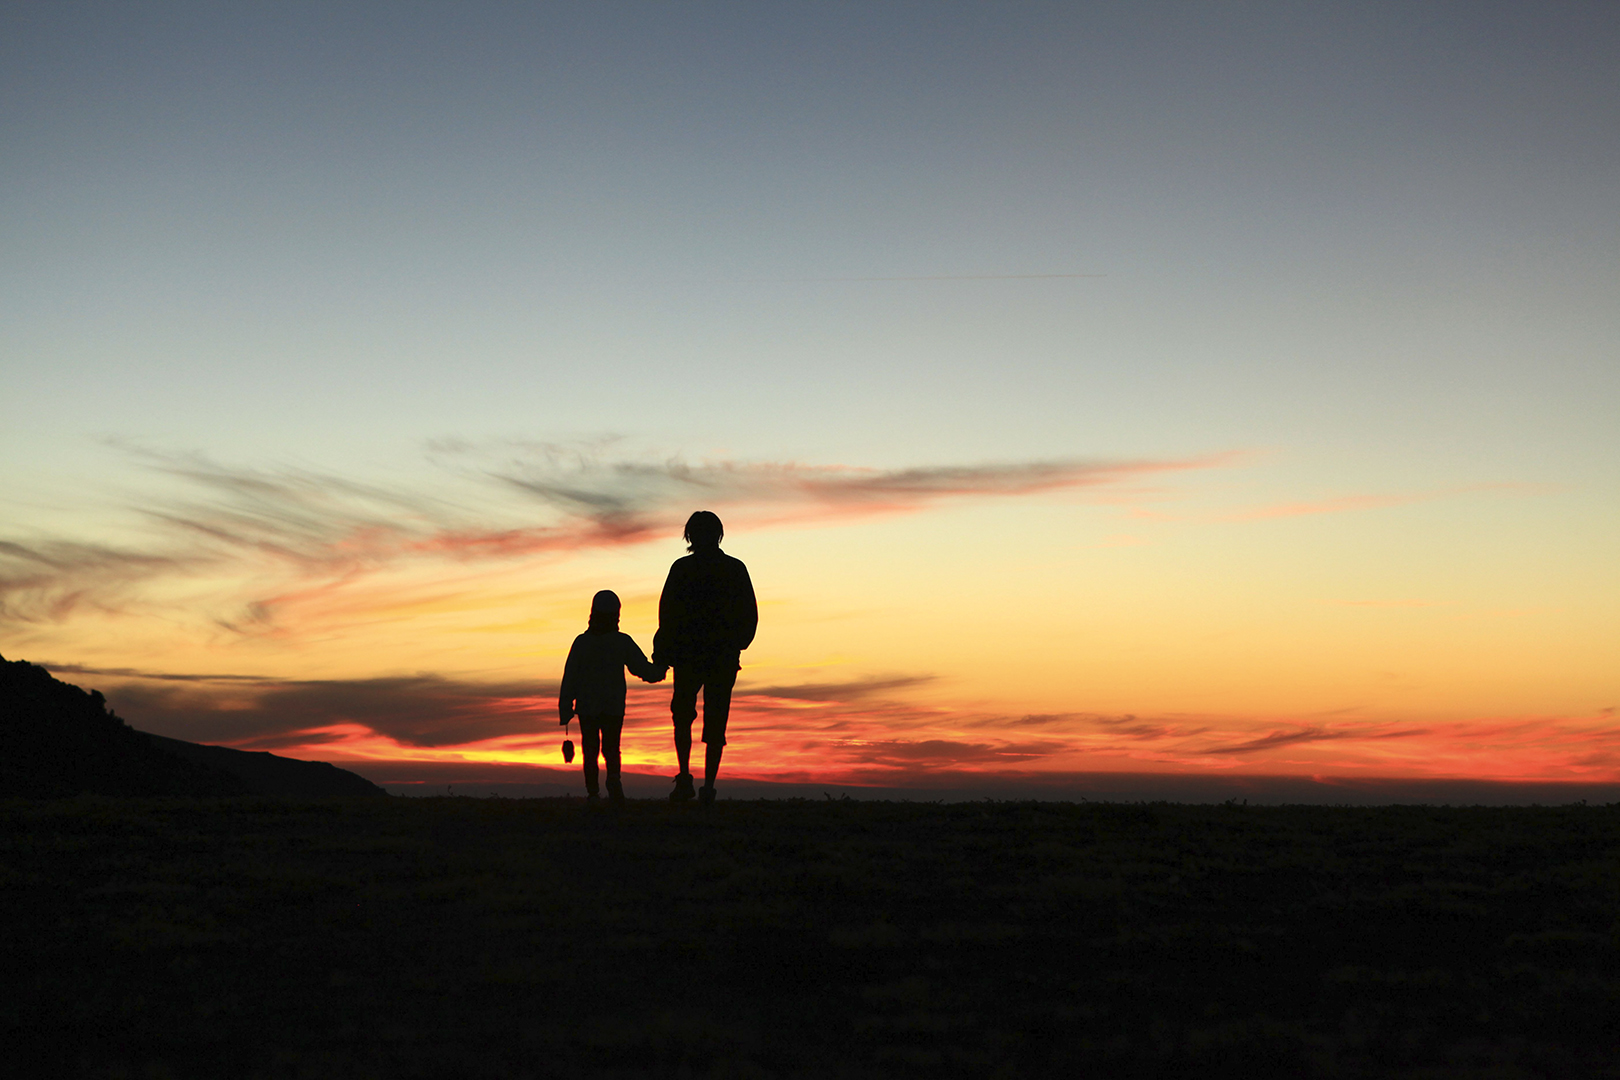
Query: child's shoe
x=705, y=795
x=683, y=789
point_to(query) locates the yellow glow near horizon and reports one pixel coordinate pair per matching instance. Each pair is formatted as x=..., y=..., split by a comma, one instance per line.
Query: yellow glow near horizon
x=1247, y=644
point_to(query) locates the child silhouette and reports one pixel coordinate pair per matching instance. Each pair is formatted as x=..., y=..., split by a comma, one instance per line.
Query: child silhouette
x=593, y=689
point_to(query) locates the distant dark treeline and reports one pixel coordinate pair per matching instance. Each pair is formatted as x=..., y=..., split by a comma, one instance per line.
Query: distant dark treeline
x=58, y=740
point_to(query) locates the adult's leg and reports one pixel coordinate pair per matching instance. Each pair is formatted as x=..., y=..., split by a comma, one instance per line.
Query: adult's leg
x=716, y=711
x=683, y=710
x=590, y=737
x=711, y=762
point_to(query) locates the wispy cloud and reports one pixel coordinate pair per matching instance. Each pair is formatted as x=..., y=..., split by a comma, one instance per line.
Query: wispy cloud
x=51, y=578
x=1273, y=740
x=851, y=690
x=60, y=670
x=283, y=532
x=950, y=752
x=1348, y=503
x=625, y=499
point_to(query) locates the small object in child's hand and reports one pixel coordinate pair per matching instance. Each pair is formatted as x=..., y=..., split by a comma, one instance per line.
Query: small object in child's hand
x=568, y=750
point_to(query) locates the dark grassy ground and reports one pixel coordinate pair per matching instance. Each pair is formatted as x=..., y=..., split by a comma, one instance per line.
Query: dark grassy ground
x=495, y=938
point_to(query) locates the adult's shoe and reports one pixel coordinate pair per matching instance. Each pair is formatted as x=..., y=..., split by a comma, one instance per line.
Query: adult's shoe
x=705, y=795
x=683, y=789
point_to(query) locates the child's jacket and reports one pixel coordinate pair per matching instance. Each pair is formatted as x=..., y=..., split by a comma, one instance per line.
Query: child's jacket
x=593, y=677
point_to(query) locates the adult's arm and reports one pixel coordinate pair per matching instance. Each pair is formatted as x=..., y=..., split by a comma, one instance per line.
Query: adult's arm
x=671, y=611
x=745, y=609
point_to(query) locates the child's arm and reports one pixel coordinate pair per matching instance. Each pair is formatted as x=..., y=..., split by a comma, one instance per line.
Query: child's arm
x=565, y=691
x=637, y=662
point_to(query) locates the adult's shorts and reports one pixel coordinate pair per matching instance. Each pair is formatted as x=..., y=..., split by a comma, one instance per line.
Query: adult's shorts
x=715, y=680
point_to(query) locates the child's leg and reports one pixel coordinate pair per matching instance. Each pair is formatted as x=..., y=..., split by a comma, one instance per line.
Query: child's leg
x=611, y=729
x=590, y=737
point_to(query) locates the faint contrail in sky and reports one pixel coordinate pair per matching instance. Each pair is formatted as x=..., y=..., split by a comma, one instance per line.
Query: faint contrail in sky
x=949, y=277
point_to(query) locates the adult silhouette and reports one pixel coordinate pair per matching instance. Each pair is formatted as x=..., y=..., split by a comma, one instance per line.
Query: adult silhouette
x=706, y=617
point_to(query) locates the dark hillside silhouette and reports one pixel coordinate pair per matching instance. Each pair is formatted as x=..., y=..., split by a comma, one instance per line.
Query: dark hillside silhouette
x=57, y=740
x=264, y=773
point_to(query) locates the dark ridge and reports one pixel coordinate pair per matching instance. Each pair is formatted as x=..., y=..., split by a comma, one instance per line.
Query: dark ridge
x=58, y=741
x=264, y=773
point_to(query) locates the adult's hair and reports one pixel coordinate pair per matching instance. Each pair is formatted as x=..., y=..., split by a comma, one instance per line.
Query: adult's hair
x=703, y=530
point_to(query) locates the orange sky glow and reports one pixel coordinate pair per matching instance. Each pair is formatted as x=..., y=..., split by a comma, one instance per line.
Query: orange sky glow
x=873, y=743
x=913, y=626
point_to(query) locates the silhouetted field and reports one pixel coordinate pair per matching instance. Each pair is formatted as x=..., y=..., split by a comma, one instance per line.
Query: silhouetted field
x=494, y=938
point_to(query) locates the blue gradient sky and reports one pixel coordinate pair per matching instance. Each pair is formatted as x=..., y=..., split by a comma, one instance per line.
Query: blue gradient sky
x=1372, y=250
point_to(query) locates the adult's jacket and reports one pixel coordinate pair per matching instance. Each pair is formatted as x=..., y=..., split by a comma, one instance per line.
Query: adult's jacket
x=707, y=613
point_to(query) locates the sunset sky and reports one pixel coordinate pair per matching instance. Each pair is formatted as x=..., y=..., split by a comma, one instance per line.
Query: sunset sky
x=1088, y=387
